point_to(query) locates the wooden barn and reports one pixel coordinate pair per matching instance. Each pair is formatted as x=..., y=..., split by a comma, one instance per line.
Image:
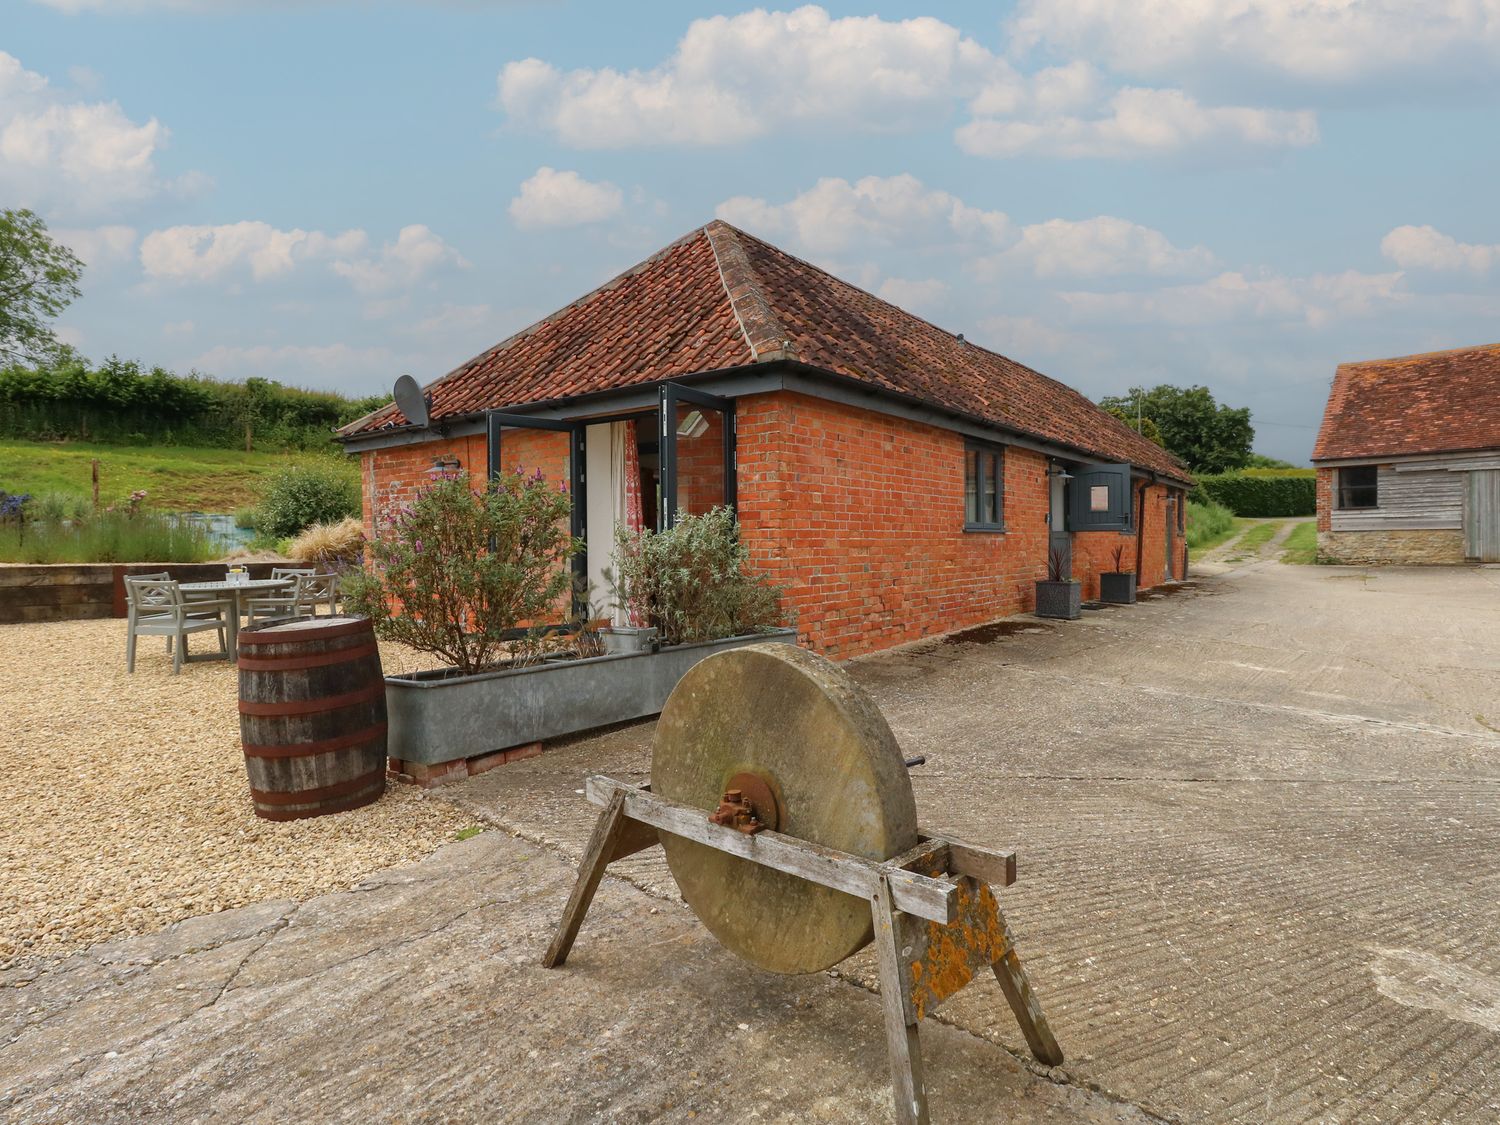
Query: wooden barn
x=1408, y=460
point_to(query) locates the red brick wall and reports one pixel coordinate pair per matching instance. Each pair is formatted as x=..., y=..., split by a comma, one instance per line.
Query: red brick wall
x=859, y=515
x=700, y=465
x=391, y=478
x=1325, y=499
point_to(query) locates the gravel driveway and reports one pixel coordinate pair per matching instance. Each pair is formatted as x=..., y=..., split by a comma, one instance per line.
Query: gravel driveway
x=126, y=804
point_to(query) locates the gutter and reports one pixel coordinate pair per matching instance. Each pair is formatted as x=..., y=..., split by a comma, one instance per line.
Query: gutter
x=797, y=370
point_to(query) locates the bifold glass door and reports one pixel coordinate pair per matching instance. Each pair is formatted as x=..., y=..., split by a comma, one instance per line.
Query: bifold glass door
x=552, y=449
x=696, y=453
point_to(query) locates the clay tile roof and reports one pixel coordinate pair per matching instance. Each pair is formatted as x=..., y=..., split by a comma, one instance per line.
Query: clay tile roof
x=720, y=298
x=1437, y=402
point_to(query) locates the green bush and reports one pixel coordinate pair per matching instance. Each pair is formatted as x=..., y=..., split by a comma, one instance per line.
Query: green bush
x=1281, y=494
x=119, y=401
x=1207, y=524
x=692, y=581
x=302, y=495
x=457, y=572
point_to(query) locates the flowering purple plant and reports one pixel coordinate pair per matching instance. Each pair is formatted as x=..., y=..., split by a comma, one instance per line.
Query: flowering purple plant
x=13, y=505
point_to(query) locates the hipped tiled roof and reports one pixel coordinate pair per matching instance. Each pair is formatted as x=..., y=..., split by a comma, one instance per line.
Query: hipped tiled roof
x=720, y=298
x=1437, y=402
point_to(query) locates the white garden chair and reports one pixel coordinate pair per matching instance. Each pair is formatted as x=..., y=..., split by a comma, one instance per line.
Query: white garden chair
x=310, y=592
x=157, y=608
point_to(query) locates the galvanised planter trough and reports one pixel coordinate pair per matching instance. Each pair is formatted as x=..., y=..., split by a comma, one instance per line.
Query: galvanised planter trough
x=1117, y=588
x=1059, y=599
x=437, y=717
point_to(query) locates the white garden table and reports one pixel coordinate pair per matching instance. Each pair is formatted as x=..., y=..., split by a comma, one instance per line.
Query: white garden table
x=233, y=591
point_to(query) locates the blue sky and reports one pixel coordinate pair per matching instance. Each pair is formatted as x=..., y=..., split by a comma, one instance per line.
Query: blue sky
x=1114, y=191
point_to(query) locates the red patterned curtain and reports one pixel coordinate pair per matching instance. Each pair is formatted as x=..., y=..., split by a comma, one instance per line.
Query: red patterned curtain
x=633, y=519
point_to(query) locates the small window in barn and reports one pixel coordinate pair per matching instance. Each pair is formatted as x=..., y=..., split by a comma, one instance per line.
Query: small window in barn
x=1358, y=486
x=984, y=488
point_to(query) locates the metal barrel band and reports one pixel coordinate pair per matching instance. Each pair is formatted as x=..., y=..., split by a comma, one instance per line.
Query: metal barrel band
x=297, y=663
x=312, y=706
x=343, y=804
x=323, y=793
x=306, y=749
x=259, y=636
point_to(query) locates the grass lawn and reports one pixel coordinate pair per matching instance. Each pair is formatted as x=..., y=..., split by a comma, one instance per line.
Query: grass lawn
x=177, y=478
x=1208, y=525
x=1301, y=546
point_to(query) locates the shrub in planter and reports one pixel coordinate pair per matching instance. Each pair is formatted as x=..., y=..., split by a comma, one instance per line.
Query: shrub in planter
x=459, y=571
x=1060, y=595
x=692, y=582
x=1118, y=586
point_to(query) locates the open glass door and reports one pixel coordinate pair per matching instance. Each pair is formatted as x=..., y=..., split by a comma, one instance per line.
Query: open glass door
x=555, y=449
x=696, y=453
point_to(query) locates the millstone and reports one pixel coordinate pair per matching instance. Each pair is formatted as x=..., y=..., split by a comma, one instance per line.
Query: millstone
x=798, y=723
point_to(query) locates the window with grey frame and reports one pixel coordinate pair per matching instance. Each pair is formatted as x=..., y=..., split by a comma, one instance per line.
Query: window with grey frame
x=984, y=487
x=1359, y=486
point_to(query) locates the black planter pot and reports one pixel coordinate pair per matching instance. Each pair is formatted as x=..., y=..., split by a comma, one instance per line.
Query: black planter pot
x=1059, y=599
x=1117, y=588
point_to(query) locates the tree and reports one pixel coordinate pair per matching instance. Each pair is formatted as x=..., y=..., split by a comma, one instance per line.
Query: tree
x=1142, y=425
x=38, y=279
x=1208, y=437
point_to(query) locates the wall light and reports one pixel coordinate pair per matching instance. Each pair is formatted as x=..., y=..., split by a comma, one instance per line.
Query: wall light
x=446, y=463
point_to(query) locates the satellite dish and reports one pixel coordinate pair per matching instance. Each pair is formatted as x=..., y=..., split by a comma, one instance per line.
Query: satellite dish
x=411, y=400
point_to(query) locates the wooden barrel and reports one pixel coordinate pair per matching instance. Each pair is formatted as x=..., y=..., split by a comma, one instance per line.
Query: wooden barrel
x=312, y=716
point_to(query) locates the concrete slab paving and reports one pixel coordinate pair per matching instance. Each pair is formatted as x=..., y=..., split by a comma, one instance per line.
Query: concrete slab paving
x=1257, y=822
x=418, y=996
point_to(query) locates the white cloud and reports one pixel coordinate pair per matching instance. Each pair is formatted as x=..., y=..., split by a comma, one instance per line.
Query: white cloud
x=1233, y=296
x=317, y=364
x=72, y=156
x=1131, y=122
x=1021, y=336
x=416, y=254
x=453, y=319
x=232, y=250
x=98, y=247
x=1100, y=247
x=564, y=199
x=178, y=328
x=737, y=77
x=208, y=253
x=1319, y=41
x=917, y=296
x=835, y=215
x=1427, y=248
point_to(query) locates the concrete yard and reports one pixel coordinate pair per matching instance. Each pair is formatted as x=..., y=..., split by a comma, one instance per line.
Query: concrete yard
x=1257, y=821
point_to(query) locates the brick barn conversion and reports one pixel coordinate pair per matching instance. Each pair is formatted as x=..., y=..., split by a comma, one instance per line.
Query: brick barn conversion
x=897, y=480
x=1408, y=460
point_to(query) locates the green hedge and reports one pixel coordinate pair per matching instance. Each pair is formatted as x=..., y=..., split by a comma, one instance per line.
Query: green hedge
x=1284, y=494
x=119, y=401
